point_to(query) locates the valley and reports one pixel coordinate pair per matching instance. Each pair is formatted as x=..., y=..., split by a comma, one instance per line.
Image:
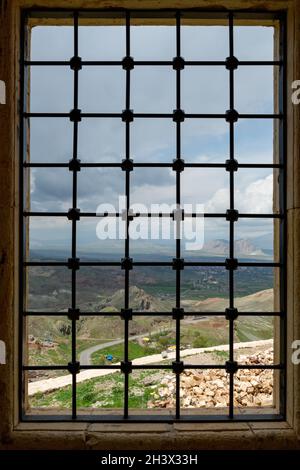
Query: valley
x=101, y=289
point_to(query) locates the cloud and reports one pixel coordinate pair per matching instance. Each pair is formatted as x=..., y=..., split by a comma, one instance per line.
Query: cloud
x=257, y=197
x=153, y=90
x=51, y=190
x=154, y=194
x=200, y=184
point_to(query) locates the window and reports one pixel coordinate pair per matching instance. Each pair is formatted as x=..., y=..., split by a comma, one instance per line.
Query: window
x=76, y=106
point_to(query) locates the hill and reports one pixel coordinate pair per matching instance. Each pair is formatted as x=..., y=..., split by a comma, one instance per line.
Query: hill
x=243, y=248
x=261, y=301
x=110, y=326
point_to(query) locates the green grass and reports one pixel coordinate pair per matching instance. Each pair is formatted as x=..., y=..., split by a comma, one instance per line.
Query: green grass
x=109, y=309
x=203, y=337
x=202, y=340
x=104, y=392
x=61, y=353
x=117, y=351
x=223, y=355
x=251, y=329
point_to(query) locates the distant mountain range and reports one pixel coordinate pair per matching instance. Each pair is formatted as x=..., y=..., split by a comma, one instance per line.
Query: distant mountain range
x=259, y=247
x=261, y=301
x=243, y=247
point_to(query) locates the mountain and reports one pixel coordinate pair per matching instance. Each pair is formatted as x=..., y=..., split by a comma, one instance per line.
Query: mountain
x=246, y=247
x=261, y=301
x=243, y=247
x=255, y=247
x=139, y=300
x=211, y=329
x=265, y=242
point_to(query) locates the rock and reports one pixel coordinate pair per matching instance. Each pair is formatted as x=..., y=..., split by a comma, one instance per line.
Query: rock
x=201, y=403
x=242, y=387
x=218, y=382
x=221, y=404
x=267, y=401
x=204, y=389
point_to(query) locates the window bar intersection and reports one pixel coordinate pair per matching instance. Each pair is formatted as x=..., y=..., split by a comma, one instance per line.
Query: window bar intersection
x=127, y=165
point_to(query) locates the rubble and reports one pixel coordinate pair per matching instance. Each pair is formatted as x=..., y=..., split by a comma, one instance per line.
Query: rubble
x=210, y=388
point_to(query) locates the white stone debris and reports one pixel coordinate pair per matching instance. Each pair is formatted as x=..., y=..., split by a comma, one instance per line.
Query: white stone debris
x=210, y=388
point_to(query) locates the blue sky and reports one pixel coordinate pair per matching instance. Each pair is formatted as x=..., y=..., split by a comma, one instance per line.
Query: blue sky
x=204, y=89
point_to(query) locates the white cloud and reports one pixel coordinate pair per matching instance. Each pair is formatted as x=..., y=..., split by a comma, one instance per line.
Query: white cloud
x=218, y=202
x=151, y=140
x=151, y=194
x=257, y=197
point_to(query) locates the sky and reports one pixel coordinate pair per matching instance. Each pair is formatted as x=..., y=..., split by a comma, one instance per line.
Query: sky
x=204, y=90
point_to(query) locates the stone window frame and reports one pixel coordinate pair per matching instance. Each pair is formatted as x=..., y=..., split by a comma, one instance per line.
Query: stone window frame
x=16, y=435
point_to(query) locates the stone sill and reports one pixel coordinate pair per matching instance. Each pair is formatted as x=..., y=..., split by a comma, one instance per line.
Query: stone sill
x=152, y=427
x=151, y=436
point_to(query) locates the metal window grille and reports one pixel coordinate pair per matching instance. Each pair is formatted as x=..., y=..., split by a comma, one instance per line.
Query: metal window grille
x=127, y=115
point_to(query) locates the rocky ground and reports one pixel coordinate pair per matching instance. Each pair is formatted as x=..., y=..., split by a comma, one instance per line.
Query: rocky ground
x=209, y=388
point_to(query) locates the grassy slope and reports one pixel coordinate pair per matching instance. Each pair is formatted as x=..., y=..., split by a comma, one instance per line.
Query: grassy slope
x=135, y=350
x=105, y=392
x=195, y=333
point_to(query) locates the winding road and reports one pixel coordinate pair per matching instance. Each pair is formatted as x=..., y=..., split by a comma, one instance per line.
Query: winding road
x=85, y=356
x=55, y=383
